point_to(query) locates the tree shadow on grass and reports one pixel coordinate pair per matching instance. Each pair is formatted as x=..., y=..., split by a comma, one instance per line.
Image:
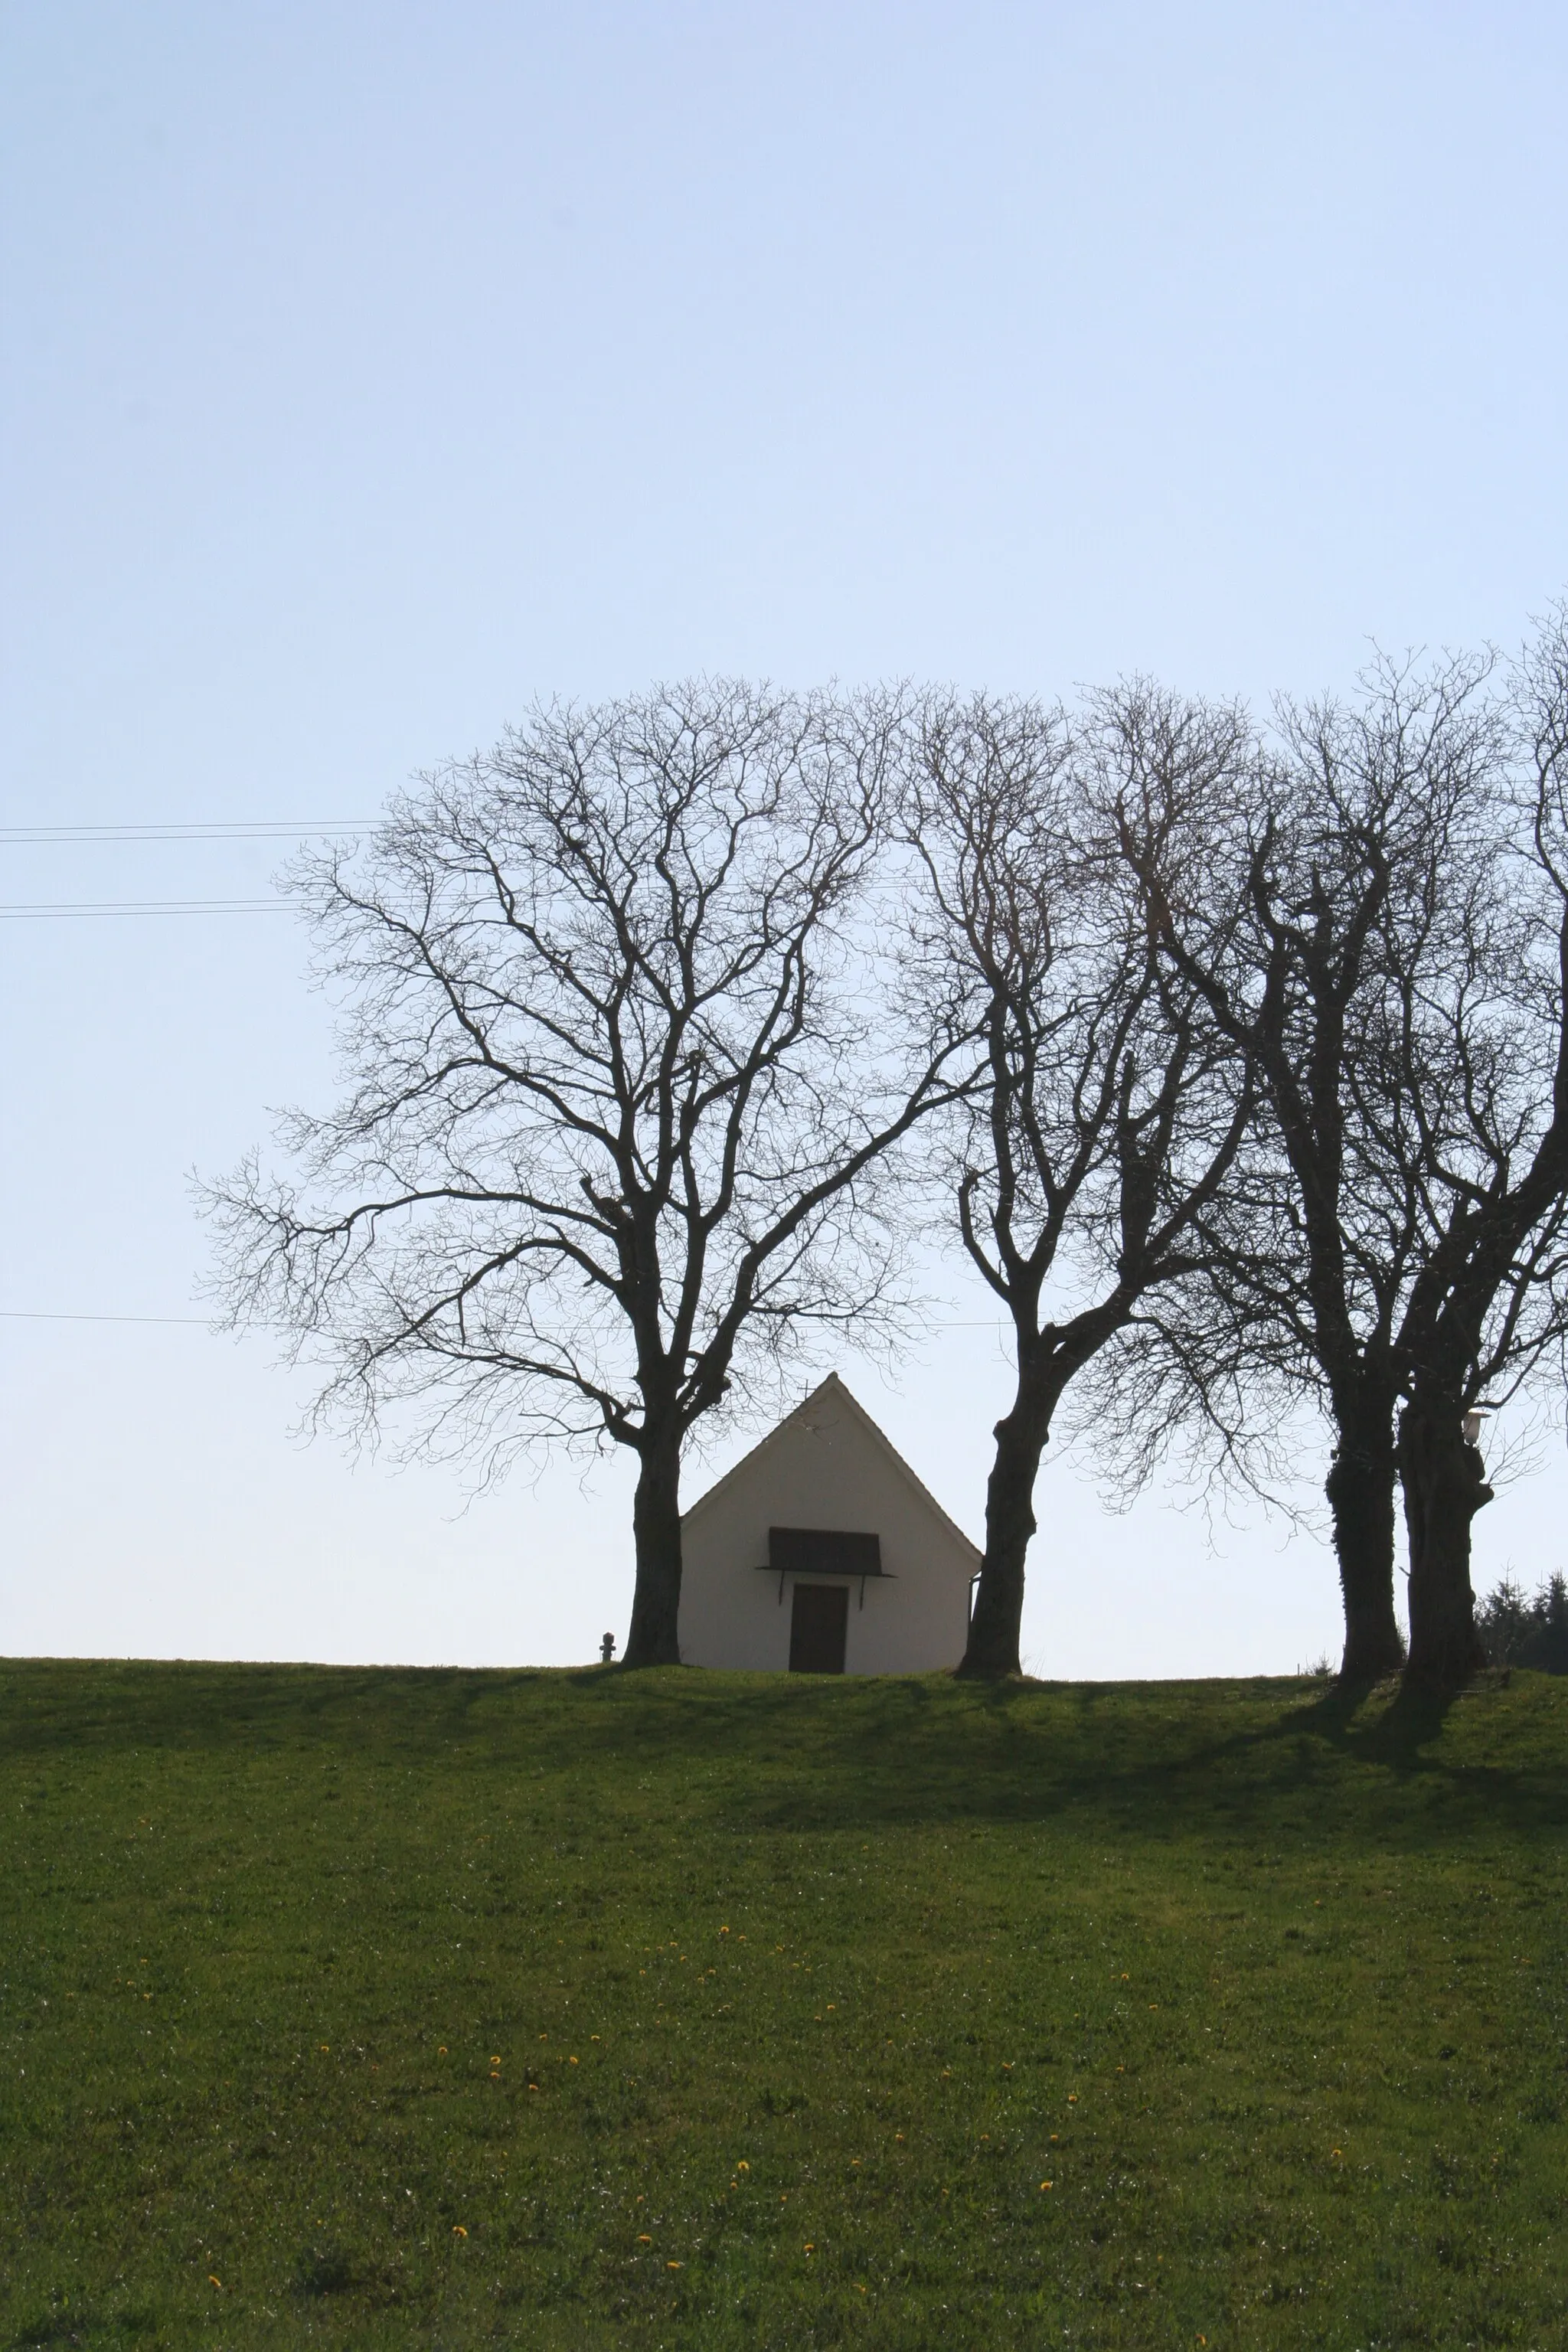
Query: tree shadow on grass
x=1154, y=1760
x=58, y=1706
x=770, y=1752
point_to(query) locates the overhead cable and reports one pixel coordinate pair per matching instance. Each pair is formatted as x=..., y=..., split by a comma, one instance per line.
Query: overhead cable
x=26, y=910
x=21, y=837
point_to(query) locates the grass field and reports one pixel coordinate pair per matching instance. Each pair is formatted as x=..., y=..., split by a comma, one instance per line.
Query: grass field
x=446, y=2009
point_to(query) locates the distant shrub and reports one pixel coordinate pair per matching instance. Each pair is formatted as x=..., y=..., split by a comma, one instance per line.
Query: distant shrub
x=1517, y=1631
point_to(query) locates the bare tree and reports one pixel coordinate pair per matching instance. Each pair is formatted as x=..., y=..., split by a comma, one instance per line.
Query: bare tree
x=1392, y=1246
x=1485, y=1055
x=618, y=1098
x=1106, y=1110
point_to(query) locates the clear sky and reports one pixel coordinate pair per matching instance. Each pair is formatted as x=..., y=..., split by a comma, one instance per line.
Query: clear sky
x=371, y=368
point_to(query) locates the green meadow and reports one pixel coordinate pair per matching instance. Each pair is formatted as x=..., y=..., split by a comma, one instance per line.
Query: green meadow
x=440, y=2010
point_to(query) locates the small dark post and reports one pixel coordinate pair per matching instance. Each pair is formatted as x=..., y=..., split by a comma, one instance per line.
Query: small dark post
x=606, y=1649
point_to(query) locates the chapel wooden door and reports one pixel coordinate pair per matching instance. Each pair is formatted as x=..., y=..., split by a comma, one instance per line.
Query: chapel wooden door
x=817, y=1628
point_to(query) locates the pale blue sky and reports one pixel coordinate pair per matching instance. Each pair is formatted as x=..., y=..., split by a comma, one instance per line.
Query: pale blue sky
x=369, y=370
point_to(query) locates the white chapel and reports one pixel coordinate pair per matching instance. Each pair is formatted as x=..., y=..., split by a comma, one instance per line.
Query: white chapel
x=821, y=1552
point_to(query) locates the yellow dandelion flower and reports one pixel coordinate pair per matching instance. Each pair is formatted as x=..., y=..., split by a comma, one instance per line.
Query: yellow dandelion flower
x=458, y=2231
x=643, y=2238
x=1046, y=2184
x=214, y=2280
x=672, y=2267
x=742, y=2165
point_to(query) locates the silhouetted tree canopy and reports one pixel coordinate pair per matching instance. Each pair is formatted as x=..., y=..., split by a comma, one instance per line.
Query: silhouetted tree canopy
x=619, y=1096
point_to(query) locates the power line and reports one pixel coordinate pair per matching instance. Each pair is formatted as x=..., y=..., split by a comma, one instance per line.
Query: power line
x=26, y=912
x=201, y=1323
x=21, y=837
x=48, y=1315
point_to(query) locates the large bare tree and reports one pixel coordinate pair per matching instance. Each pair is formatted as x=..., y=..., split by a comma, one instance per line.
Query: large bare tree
x=1106, y=1110
x=1377, y=925
x=619, y=1096
x=1485, y=1057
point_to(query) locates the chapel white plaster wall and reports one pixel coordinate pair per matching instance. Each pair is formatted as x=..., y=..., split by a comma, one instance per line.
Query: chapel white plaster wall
x=822, y=1468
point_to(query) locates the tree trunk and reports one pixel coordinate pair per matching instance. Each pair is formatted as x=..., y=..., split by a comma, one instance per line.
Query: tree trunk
x=1360, y=1488
x=656, y=1529
x=1445, y=1486
x=993, y=1650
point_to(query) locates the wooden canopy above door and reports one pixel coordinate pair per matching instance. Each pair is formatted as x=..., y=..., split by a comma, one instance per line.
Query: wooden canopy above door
x=824, y=1551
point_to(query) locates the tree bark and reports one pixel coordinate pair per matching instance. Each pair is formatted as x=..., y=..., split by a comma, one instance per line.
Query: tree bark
x=1444, y=1479
x=1360, y=1488
x=993, y=1648
x=653, y=1640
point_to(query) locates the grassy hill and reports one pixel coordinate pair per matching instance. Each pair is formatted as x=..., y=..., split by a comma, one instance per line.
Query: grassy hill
x=446, y=2008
